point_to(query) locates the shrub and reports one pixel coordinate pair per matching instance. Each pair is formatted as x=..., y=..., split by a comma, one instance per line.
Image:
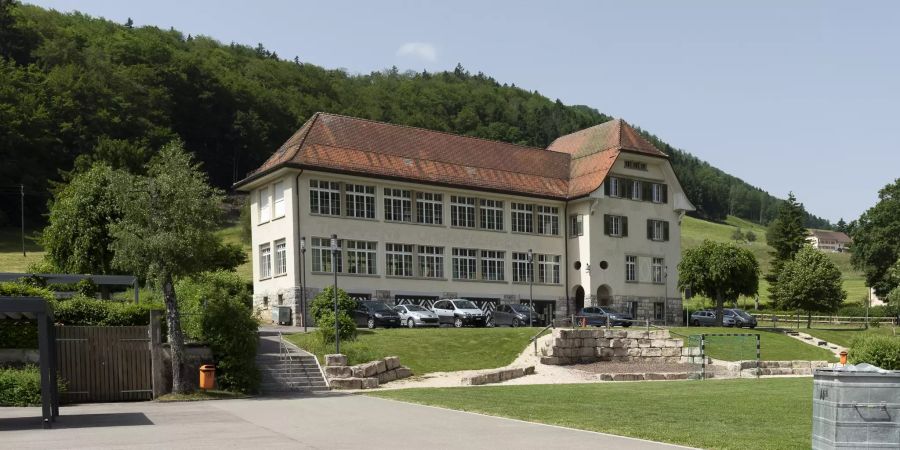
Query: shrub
x=750, y=236
x=22, y=387
x=21, y=333
x=25, y=290
x=322, y=309
x=194, y=294
x=325, y=327
x=877, y=350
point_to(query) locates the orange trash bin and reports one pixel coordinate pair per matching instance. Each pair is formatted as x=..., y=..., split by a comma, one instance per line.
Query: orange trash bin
x=207, y=376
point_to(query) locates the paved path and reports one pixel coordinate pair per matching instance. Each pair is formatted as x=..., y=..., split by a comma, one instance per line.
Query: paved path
x=324, y=421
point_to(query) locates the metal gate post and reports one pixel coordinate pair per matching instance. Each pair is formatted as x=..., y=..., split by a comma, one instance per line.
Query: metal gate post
x=702, y=356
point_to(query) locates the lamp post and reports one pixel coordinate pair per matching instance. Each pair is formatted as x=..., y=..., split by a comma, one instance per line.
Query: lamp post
x=531, y=288
x=337, y=329
x=302, y=283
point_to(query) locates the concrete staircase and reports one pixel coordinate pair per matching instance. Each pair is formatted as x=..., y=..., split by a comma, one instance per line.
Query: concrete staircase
x=284, y=368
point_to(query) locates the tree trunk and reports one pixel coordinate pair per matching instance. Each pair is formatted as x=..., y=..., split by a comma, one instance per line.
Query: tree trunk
x=808, y=319
x=720, y=303
x=176, y=337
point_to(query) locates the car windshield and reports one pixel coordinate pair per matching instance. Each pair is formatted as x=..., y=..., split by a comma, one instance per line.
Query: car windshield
x=729, y=312
x=743, y=314
x=380, y=307
x=520, y=308
x=609, y=311
x=415, y=308
x=464, y=304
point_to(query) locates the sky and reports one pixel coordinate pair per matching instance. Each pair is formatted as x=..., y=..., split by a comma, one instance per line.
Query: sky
x=795, y=96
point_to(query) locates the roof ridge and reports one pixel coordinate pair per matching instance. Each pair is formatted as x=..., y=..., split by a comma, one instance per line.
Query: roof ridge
x=526, y=147
x=312, y=123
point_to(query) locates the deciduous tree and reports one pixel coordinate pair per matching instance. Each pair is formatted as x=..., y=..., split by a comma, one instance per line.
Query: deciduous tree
x=721, y=271
x=809, y=282
x=876, y=240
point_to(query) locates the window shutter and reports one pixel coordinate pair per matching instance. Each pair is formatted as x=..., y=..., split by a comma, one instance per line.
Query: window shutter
x=624, y=226
x=606, y=220
x=606, y=186
x=628, y=188
x=666, y=230
x=646, y=191
x=665, y=193
x=650, y=229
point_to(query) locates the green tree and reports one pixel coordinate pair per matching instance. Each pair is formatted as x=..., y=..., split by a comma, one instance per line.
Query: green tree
x=167, y=231
x=876, y=240
x=786, y=235
x=750, y=236
x=322, y=310
x=77, y=238
x=809, y=282
x=721, y=271
x=841, y=225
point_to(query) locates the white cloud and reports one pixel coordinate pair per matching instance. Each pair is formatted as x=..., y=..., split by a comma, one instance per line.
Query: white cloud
x=420, y=50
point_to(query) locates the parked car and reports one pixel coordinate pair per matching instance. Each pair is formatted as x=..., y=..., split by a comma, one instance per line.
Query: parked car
x=516, y=315
x=597, y=316
x=707, y=318
x=741, y=318
x=459, y=312
x=417, y=316
x=371, y=314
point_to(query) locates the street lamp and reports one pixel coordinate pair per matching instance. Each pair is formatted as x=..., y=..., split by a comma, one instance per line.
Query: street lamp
x=531, y=288
x=337, y=329
x=302, y=284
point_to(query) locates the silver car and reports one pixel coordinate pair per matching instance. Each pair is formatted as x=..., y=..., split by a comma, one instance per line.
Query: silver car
x=417, y=316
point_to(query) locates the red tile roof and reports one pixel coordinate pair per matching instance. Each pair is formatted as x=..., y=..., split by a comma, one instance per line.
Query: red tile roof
x=573, y=165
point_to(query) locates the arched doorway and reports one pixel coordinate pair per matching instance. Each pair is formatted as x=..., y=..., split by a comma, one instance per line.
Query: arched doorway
x=579, y=299
x=604, y=295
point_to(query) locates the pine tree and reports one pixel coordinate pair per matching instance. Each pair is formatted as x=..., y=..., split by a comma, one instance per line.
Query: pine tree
x=129, y=23
x=786, y=235
x=841, y=225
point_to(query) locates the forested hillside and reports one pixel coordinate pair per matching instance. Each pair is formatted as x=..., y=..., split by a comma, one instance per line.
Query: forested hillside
x=74, y=89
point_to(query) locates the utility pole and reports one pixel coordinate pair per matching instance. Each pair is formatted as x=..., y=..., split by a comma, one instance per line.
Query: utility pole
x=531, y=288
x=337, y=322
x=22, y=192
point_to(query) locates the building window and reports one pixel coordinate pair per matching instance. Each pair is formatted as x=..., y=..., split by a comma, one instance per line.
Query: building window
x=636, y=187
x=614, y=187
x=492, y=215
x=631, y=268
x=265, y=261
x=325, y=197
x=278, y=203
x=360, y=201
x=464, y=260
x=265, y=209
x=576, y=225
x=522, y=217
x=659, y=311
x=429, y=208
x=397, y=205
x=462, y=211
x=492, y=263
x=657, y=230
x=658, y=193
x=616, y=226
x=361, y=257
x=321, y=255
x=280, y=257
x=548, y=269
x=431, y=261
x=522, y=269
x=399, y=259
x=635, y=165
x=548, y=220
x=657, y=270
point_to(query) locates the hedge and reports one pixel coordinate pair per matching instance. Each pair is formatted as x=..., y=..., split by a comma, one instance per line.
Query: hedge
x=22, y=387
x=876, y=349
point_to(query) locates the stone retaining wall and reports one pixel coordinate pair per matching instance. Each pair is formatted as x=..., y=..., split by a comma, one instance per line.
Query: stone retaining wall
x=498, y=376
x=363, y=376
x=585, y=346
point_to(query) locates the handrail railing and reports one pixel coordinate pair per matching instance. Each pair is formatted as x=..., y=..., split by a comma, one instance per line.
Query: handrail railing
x=286, y=356
x=535, y=337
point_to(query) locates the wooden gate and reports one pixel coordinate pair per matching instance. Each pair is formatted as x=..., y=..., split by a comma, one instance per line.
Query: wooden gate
x=104, y=364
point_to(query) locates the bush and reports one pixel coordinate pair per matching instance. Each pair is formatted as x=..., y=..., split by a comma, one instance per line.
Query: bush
x=21, y=333
x=877, y=350
x=86, y=311
x=322, y=309
x=25, y=290
x=216, y=309
x=22, y=387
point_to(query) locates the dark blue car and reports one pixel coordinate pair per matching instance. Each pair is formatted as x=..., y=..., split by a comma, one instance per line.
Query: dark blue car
x=598, y=316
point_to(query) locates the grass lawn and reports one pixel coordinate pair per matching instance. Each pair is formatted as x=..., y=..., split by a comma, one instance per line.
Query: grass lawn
x=773, y=346
x=11, y=259
x=720, y=414
x=429, y=350
x=201, y=395
x=232, y=235
x=844, y=337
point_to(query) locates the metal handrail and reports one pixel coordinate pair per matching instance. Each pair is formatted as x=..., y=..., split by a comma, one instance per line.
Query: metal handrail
x=285, y=354
x=535, y=337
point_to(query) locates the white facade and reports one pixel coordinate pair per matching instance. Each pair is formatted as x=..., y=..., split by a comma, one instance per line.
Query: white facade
x=600, y=258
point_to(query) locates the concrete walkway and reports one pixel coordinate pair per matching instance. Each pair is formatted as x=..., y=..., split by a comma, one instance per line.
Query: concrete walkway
x=323, y=421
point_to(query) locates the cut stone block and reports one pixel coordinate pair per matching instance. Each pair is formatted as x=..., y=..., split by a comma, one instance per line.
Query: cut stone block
x=336, y=360
x=346, y=383
x=369, y=383
x=392, y=362
x=338, y=371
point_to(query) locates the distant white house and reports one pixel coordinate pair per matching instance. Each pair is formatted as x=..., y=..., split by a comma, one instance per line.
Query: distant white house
x=830, y=241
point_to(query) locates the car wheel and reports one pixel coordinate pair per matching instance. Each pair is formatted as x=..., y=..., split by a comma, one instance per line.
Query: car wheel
x=626, y=324
x=696, y=323
x=371, y=323
x=457, y=322
x=515, y=323
x=752, y=326
x=410, y=323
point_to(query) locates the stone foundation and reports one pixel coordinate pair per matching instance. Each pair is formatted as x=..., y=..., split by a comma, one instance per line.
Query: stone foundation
x=585, y=346
x=363, y=376
x=498, y=376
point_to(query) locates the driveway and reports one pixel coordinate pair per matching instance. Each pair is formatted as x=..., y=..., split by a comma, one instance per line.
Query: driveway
x=324, y=421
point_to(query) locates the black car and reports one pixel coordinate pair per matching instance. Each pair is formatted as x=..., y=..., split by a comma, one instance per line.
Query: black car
x=371, y=314
x=515, y=315
x=599, y=315
x=741, y=318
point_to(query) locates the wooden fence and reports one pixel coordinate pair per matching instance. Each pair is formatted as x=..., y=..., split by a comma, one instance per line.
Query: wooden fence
x=794, y=319
x=104, y=364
